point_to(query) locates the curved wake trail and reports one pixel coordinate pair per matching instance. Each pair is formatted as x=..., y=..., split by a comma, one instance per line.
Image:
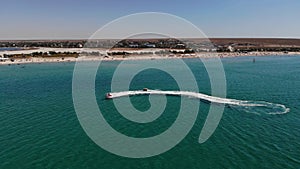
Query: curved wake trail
x=257, y=107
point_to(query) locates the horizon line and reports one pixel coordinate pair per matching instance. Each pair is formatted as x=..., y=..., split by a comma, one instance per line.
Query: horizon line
x=212, y=37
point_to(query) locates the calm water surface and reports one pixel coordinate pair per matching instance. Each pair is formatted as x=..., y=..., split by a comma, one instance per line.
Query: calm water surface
x=39, y=127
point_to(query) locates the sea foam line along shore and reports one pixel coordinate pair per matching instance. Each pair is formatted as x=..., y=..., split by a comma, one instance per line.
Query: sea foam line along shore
x=130, y=57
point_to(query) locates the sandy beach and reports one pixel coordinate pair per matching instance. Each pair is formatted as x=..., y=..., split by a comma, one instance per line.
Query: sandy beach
x=135, y=55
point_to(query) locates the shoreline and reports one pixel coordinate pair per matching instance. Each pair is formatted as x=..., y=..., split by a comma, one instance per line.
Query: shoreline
x=206, y=55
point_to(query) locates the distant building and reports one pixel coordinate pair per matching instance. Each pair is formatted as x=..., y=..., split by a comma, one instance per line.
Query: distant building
x=150, y=45
x=231, y=49
x=3, y=59
x=180, y=45
x=133, y=45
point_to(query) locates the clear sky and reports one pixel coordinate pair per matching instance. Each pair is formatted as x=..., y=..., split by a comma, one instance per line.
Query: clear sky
x=59, y=19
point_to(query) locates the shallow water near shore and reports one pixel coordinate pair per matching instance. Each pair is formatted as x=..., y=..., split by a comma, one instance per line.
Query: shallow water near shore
x=39, y=127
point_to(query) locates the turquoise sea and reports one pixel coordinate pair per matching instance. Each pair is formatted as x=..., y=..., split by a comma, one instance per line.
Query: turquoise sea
x=39, y=127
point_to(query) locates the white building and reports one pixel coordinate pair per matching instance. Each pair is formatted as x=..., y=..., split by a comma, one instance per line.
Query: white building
x=231, y=49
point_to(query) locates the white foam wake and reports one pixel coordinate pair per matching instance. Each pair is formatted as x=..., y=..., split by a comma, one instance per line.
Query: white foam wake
x=248, y=106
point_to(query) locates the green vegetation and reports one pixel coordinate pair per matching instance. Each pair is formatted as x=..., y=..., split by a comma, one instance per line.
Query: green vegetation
x=43, y=55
